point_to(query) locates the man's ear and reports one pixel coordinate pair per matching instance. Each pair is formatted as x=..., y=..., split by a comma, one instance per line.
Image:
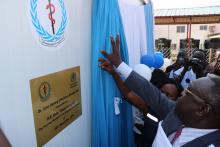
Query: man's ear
x=203, y=109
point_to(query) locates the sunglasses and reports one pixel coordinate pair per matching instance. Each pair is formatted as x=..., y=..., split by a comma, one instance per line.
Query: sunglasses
x=199, y=98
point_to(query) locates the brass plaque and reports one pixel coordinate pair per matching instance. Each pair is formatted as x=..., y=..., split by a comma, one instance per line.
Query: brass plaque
x=56, y=101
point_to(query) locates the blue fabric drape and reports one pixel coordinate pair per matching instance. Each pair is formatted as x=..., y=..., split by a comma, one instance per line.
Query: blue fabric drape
x=108, y=130
x=149, y=19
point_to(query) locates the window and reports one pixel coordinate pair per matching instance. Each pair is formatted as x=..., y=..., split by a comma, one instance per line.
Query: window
x=203, y=27
x=180, y=29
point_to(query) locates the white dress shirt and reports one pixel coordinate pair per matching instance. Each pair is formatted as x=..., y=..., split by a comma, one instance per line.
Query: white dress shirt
x=124, y=70
x=188, y=77
x=189, y=134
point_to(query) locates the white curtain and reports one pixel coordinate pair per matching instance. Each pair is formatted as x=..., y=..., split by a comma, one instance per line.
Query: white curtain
x=133, y=19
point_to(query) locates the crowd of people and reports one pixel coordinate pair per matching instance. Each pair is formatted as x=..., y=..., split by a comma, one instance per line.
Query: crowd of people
x=185, y=99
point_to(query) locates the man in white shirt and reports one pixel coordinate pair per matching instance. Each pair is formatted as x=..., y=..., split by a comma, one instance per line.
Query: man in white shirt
x=194, y=69
x=197, y=110
x=181, y=60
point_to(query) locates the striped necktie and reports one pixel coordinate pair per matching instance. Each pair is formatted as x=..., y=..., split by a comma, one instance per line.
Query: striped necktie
x=177, y=135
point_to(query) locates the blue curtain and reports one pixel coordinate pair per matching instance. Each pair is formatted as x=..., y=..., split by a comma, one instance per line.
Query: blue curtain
x=108, y=130
x=149, y=19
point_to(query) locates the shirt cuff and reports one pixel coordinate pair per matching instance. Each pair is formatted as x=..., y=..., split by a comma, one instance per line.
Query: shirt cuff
x=124, y=70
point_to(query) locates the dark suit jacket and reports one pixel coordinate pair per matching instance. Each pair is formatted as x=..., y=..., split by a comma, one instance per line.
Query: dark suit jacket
x=160, y=104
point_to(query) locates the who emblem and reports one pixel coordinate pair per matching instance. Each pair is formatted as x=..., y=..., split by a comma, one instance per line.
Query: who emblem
x=44, y=91
x=49, y=20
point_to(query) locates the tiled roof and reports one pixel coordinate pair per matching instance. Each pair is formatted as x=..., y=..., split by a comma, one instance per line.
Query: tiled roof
x=212, y=10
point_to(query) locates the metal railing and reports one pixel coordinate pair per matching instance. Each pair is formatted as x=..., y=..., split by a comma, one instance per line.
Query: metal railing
x=211, y=54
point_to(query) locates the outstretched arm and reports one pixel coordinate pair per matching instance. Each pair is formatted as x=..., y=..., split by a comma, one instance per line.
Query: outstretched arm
x=128, y=94
x=150, y=94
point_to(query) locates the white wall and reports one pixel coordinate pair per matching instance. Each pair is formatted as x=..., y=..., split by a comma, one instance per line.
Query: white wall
x=22, y=59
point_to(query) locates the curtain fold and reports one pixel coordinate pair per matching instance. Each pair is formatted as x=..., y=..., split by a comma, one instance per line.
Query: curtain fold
x=108, y=129
x=149, y=18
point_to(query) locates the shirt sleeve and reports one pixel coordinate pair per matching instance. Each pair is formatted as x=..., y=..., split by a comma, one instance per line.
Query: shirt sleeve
x=124, y=70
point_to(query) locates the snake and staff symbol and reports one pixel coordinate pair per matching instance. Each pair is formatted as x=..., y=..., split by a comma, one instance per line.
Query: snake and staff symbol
x=52, y=10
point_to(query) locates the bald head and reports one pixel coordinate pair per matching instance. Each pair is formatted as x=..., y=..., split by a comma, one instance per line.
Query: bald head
x=214, y=95
x=209, y=89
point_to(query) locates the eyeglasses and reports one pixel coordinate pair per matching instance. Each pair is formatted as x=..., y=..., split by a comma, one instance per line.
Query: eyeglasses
x=198, y=97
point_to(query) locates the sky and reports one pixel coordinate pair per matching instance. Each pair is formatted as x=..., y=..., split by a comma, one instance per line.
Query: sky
x=165, y=4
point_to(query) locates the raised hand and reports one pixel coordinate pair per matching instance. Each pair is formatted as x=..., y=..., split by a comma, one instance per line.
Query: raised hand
x=106, y=65
x=114, y=57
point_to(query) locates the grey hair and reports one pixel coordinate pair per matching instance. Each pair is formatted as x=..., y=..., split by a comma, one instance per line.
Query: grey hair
x=215, y=92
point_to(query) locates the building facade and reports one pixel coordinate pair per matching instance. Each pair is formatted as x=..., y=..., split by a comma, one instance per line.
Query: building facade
x=175, y=33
